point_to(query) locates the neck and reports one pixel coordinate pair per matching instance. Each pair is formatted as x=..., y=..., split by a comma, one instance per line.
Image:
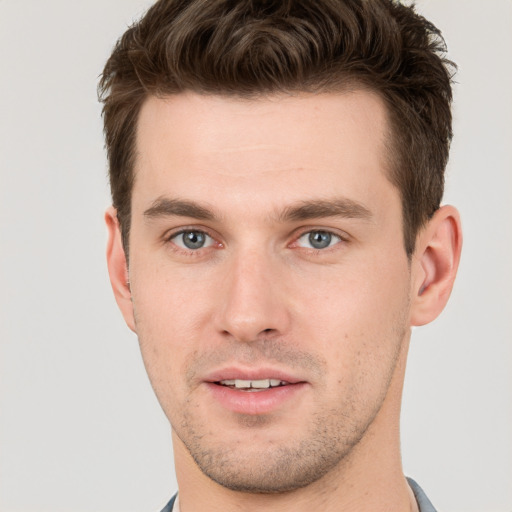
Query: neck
x=369, y=478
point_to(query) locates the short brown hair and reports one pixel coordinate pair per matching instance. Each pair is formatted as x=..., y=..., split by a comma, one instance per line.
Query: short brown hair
x=250, y=48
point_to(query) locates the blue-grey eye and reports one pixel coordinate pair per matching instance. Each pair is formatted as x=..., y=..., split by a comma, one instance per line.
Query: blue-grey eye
x=318, y=239
x=192, y=239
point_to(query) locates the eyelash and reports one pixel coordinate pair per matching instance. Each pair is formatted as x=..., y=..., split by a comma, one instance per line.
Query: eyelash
x=332, y=234
x=187, y=251
x=168, y=238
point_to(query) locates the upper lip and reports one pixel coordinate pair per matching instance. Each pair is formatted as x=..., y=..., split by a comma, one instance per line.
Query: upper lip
x=233, y=373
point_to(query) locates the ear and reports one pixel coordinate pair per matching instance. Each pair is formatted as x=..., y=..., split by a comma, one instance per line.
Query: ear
x=117, y=267
x=435, y=261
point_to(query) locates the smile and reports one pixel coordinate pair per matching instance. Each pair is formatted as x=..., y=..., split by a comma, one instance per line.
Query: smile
x=255, y=396
x=252, y=385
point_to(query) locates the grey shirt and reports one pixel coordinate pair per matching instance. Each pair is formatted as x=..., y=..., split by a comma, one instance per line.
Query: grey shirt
x=424, y=503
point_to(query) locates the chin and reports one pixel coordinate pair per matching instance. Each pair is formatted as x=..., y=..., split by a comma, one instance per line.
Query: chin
x=269, y=466
x=281, y=472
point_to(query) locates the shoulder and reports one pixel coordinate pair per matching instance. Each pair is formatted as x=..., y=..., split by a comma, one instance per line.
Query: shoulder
x=424, y=503
x=170, y=505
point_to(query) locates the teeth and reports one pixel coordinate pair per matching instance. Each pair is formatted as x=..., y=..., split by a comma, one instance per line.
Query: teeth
x=242, y=384
x=253, y=384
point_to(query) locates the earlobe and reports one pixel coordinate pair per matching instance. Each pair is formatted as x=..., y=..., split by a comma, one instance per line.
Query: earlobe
x=436, y=261
x=117, y=267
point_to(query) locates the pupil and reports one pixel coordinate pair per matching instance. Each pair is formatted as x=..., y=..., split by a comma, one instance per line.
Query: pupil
x=193, y=239
x=320, y=239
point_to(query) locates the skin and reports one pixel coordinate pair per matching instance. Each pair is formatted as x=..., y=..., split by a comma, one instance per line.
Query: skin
x=258, y=297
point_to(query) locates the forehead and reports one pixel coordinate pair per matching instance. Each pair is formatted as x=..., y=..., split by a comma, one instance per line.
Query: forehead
x=296, y=145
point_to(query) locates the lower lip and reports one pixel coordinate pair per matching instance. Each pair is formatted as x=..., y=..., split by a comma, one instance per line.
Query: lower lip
x=254, y=402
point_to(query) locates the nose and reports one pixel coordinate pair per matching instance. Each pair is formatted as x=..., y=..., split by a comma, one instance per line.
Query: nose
x=252, y=300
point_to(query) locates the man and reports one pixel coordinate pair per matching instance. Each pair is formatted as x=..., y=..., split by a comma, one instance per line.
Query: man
x=276, y=230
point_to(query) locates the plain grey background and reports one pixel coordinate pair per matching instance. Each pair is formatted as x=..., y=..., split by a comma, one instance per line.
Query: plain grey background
x=80, y=429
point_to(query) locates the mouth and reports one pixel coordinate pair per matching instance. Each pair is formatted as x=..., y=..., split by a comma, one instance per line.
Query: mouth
x=254, y=385
x=254, y=391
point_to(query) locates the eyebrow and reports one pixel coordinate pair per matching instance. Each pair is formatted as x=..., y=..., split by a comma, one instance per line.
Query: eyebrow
x=316, y=209
x=305, y=210
x=164, y=207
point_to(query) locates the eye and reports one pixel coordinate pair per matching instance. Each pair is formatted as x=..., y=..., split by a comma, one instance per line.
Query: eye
x=192, y=239
x=318, y=240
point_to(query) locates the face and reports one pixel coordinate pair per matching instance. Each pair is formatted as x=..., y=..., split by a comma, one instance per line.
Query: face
x=269, y=281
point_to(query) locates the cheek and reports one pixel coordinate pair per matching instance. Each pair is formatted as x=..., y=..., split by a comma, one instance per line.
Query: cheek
x=167, y=302
x=358, y=297
x=170, y=316
x=357, y=316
